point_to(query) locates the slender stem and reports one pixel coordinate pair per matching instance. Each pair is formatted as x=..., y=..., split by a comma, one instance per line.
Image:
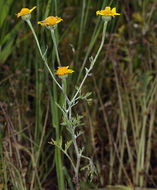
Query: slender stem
x=55, y=45
x=102, y=41
x=92, y=62
x=78, y=158
x=86, y=75
x=44, y=59
x=142, y=145
x=42, y=56
x=66, y=155
x=64, y=86
x=35, y=36
x=90, y=47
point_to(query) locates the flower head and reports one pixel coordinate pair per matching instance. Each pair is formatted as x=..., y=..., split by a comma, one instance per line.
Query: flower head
x=25, y=12
x=108, y=12
x=50, y=21
x=63, y=71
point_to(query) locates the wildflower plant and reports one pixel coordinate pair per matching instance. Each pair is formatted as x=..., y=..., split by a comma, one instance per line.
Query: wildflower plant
x=72, y=123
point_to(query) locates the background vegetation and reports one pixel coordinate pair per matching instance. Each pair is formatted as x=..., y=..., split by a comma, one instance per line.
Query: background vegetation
x=120, y=127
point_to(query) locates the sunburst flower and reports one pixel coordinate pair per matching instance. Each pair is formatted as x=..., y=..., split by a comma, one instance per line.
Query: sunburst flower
x=108, y=12
x=63, y=71
x=50, y=21
x=25, y=12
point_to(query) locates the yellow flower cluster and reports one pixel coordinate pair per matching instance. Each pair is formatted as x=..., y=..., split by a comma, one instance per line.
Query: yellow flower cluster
x=51, y=22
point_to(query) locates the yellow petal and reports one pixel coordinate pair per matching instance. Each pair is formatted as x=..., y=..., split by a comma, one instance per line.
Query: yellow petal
x=32, y=9
x=107, y=8
x=97, y=13
x=114, y=10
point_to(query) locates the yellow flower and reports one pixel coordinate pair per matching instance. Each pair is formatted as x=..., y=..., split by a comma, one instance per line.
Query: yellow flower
x=107, y=12
x=50, y=21
x=25, y=11
x=63, y=71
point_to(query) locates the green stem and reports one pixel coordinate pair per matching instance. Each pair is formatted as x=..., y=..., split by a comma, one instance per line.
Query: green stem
x=142, y=146
x=55, y=45
x=64, y=86
x=92, y=62
x=90, y=47
x=102, y=41
x=86, y=75
x=42, y=56
x=66, y=155
x=38, y=98
x=78, y=155
x=44, y=59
